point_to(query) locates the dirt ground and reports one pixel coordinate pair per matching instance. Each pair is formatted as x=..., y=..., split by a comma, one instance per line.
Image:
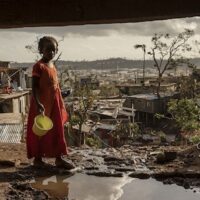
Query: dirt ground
x=16, y=171
x=11, y=155
x=169, y=164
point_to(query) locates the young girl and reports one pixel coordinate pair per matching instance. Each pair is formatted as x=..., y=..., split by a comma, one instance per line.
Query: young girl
x=47, y=99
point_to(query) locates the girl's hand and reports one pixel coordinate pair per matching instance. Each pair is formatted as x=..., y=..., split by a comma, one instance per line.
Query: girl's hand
x=41, y=108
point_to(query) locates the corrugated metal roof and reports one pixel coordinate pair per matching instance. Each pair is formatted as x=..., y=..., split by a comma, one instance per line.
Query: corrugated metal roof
x=150, y=96
x=144, y=96
x=105, y=126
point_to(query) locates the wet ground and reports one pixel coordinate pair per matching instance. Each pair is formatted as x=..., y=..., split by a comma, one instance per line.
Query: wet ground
x=153, y=190
x=109, y=174
x=84, y=187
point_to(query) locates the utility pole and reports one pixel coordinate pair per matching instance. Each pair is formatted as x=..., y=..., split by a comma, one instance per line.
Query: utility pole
x=144, y=50
x=143, y=47
x=133, y=113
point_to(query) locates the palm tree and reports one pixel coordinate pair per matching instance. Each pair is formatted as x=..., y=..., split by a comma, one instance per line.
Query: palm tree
x=143, y=47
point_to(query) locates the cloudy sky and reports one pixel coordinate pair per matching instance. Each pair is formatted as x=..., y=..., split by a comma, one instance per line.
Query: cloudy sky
x=91, y=42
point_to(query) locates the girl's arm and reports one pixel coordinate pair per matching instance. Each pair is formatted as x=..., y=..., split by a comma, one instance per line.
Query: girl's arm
x=35, y=90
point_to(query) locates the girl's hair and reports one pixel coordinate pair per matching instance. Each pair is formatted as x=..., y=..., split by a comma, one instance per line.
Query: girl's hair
x=44, y=40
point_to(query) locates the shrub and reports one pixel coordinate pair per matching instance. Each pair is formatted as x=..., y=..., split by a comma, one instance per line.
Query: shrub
x=195, y=139
x=162, y=136
x=186, y=114
x=93, y=142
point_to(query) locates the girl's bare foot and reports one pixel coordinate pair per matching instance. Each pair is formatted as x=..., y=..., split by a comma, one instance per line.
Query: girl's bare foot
x=64, y=164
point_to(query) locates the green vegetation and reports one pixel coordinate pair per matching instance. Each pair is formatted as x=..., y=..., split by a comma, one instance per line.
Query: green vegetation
x=167, y=52
x=127, y=130
x=186, y=113
x=162, y=136
x=93, y=142
x=85, y=99
x=189, y=87
x=74, y=120
x=195, y=139
x=108, y=90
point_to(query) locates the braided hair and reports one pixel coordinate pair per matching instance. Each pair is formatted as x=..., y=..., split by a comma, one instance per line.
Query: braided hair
x=44, y=40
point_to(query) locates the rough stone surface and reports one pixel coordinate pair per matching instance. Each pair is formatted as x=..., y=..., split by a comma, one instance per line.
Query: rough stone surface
x=135, y=161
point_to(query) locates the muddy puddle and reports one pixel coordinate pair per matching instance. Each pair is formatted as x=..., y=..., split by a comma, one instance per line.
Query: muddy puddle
x=84, y=187
x=151, y=189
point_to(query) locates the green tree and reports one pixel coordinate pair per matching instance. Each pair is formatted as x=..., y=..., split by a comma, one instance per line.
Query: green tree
x=167, y=52
x=186, y=113
x=187, y=87
x=85, y=99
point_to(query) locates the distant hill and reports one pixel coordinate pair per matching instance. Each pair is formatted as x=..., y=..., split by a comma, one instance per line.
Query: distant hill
x=112, y=63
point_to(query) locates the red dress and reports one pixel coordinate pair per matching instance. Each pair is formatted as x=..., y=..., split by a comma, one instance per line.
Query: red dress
x=53, y=143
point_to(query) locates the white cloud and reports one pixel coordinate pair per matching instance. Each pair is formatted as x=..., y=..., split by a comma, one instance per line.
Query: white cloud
x=91, y=41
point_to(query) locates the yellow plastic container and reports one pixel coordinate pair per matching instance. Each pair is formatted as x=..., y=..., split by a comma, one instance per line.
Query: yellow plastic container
x=42, y=124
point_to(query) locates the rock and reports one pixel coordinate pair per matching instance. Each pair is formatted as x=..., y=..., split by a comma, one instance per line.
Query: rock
x=105, y=174
x=122, y=169
x=137, y=144
x=167, y=156
x=168, y=181
x=22, y=186
x=25, y=191
x=117, y=163
x=24, y=163
x=164, y=175
x=186, y=185
x=170, y=155
x=178, y=180
x=155, y=153
x=178, y=176
x=160, y=158
x=7, y=163
x=146, y=138
x=151, y=167
x=92, y=168
x=111, y=158
x=140, y=175
x=198, y=146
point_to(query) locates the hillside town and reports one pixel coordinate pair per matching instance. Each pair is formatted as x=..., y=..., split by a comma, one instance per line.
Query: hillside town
x=117, y=110
x=72, y=129
x=120, y=96
x=99, y=100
